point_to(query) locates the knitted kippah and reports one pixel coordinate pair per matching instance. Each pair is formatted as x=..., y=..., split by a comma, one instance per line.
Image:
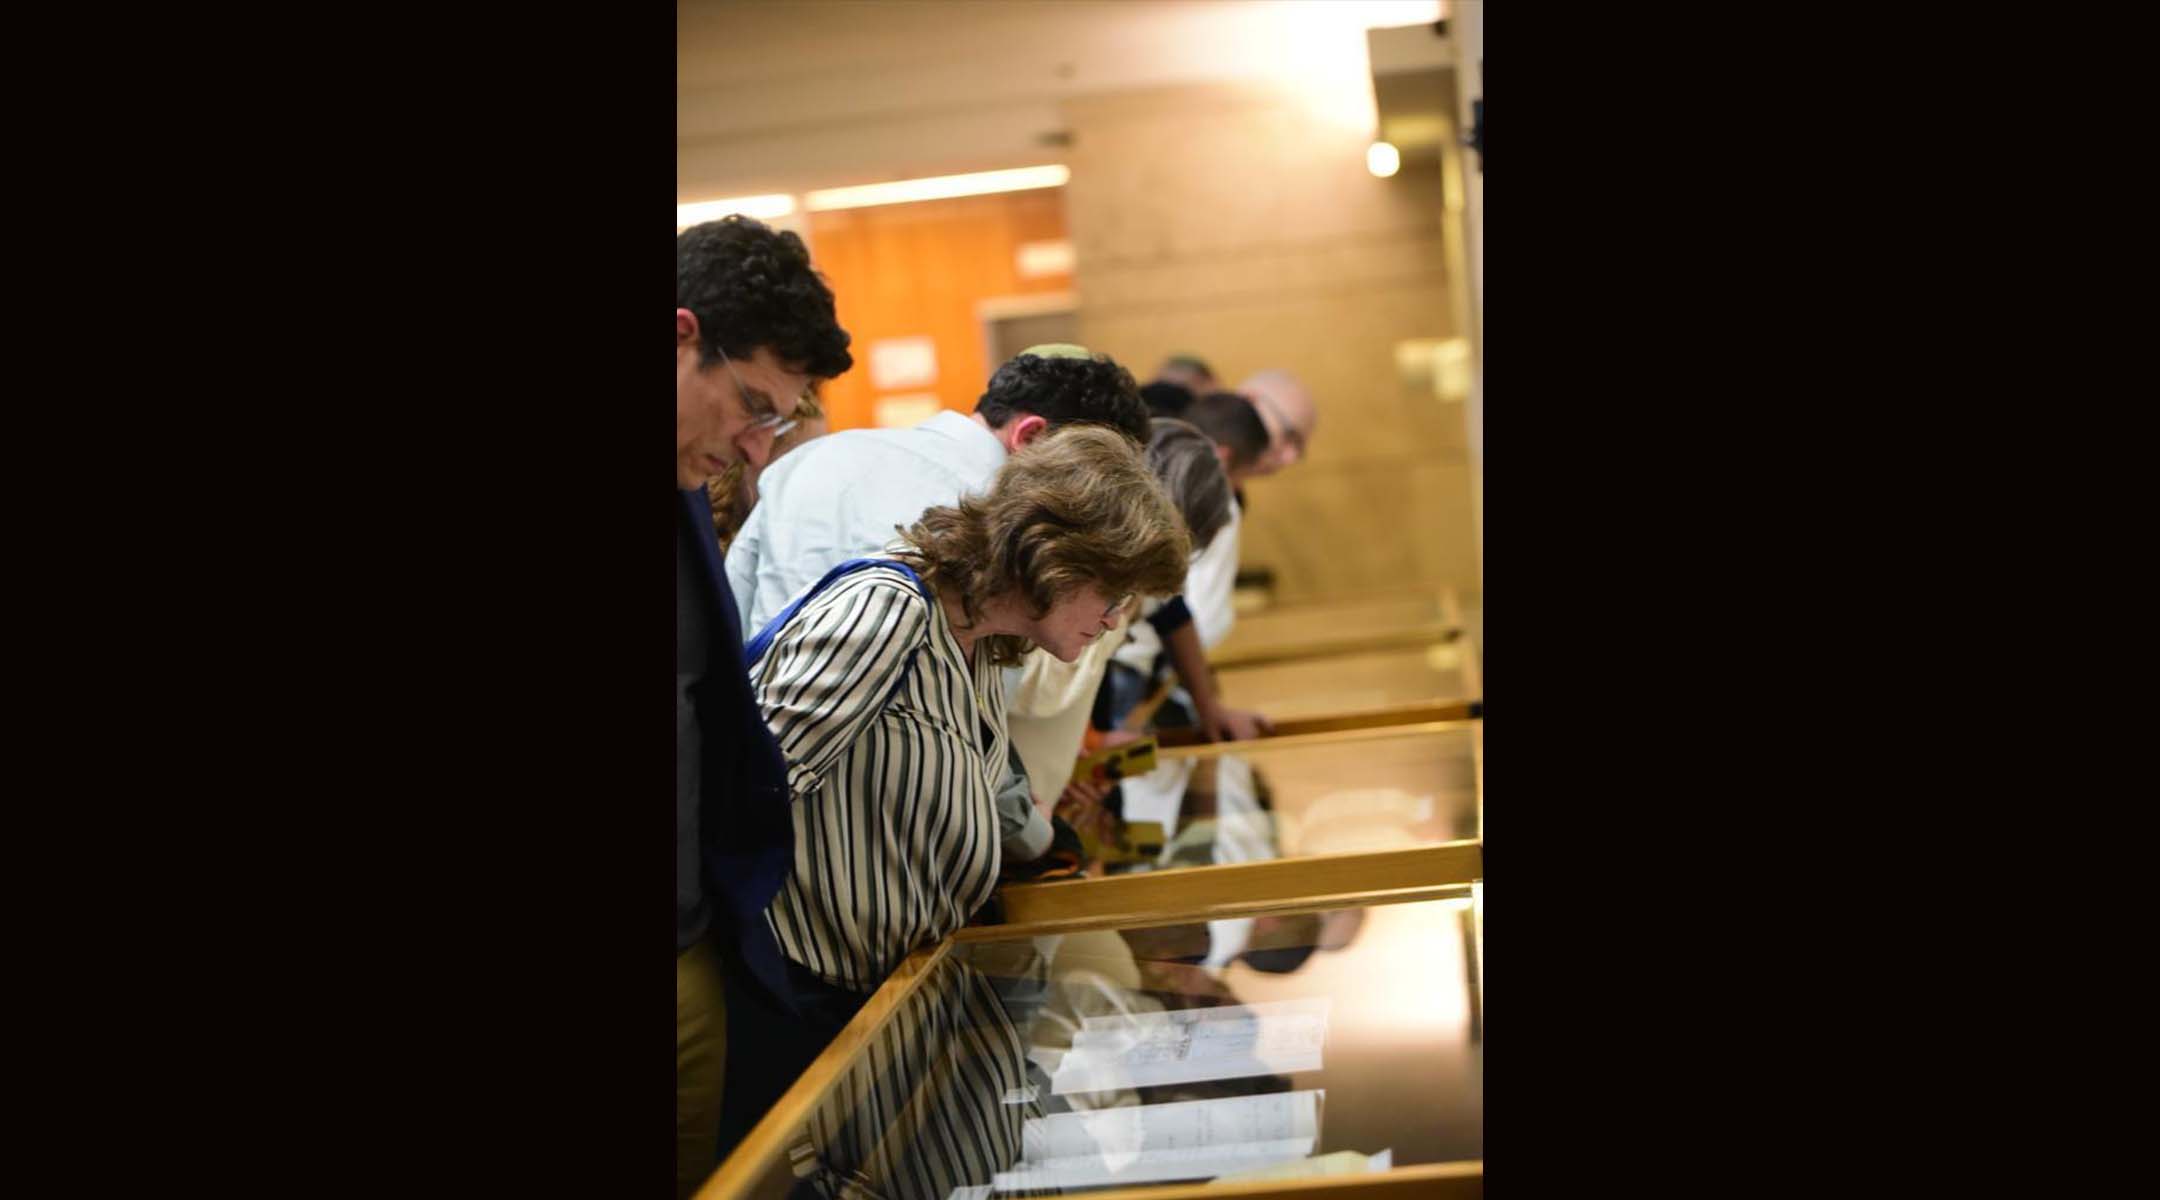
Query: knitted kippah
x=1057, y=350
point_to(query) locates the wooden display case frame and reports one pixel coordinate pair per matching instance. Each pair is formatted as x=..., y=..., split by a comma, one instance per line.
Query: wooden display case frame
x=1448, y=870
x=1470, y=704
x=1322, y=881
x=1449, y=627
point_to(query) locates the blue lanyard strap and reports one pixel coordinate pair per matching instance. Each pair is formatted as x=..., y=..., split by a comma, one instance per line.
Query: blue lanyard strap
x=757, y=646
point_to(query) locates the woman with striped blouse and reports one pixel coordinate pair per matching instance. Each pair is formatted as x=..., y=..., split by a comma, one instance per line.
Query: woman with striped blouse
x=882, y=686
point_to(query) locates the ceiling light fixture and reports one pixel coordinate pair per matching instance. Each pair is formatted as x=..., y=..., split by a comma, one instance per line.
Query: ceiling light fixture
x=941, y=187
x=764, y=208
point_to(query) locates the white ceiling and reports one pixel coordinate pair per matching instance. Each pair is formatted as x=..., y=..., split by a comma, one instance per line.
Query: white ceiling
x=788, y=95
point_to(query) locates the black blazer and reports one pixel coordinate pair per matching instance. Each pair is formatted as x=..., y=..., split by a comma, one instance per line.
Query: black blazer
x=745, y=831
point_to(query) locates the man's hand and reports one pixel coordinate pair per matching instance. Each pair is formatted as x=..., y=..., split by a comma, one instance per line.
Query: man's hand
x=1225, y=724
x=1081, y=804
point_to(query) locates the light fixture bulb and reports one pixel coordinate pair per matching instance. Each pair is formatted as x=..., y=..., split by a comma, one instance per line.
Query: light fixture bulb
x=1382, y=159
x=763, y=208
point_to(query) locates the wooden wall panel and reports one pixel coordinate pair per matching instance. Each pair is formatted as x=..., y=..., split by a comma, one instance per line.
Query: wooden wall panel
x=1235, y=223
x=910, y=270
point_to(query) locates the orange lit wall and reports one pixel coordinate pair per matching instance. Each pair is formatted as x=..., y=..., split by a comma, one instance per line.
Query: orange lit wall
x=919, y=270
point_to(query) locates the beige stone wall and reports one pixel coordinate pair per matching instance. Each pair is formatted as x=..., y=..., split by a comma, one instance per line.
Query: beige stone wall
x=1238, y=224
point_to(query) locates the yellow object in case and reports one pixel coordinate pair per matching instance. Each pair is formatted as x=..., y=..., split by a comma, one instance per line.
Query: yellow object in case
x=1116, y=762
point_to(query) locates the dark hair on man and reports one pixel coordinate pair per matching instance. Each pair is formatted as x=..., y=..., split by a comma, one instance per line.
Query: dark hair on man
x=1186, y=362
x=1281, y=960
x=1064, y=391
x=1166, y=399
x=751, y=286
x=1230, y=420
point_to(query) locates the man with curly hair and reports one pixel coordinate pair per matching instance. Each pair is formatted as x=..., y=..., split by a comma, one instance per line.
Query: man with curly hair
x=754, y=330
x=845, y=495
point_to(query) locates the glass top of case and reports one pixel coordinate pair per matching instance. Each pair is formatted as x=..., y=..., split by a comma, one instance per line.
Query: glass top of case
x=1357, y=791
x=1342, y=1041
x=1313, y=626
x=1317, y=687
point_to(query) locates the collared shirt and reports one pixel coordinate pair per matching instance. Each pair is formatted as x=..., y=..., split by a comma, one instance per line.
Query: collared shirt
x=839, y=497
x=895, y=746
x=1212, y=580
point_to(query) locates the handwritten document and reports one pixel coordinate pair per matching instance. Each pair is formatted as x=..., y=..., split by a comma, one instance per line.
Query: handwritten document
x=1189, y=1139
x=1232, y=1041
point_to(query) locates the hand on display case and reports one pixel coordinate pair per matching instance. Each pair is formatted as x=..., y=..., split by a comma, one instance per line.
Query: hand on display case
x=1225, y=724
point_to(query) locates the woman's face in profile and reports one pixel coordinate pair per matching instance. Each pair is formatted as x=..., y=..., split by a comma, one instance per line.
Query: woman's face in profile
x=1075, y=621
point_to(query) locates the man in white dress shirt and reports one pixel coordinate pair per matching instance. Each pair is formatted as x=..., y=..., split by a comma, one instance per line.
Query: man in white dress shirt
x=840, y=496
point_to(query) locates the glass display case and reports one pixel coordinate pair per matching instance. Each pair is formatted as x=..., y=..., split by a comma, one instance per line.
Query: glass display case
x=1328, y=1043
x=1286, y=994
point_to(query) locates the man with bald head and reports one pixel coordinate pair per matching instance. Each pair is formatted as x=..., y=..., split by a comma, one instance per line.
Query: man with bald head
x=1287, y=410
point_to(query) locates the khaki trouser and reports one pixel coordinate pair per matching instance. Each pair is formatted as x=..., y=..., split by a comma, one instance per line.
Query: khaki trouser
x=700, y=1065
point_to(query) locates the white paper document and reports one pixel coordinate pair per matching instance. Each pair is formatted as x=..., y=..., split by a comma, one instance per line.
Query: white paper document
x=1232, y=1041
x=1159, y=795
x=1190, y=1139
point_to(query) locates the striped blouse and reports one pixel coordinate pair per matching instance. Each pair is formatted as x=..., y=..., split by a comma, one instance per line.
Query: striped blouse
x=895, y=746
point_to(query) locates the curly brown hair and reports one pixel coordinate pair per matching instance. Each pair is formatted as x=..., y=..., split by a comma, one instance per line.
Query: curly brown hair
x=1078, y=505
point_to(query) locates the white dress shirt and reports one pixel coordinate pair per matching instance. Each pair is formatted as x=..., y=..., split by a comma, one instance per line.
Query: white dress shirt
x=838, y=497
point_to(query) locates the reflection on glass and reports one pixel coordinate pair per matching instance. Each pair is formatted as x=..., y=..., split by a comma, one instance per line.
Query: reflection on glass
x=939, y=1099
x=1359, y=794
x=1318, y=687
x=1305, y=1043
x=1229, y=1041
x=1161, y=1143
